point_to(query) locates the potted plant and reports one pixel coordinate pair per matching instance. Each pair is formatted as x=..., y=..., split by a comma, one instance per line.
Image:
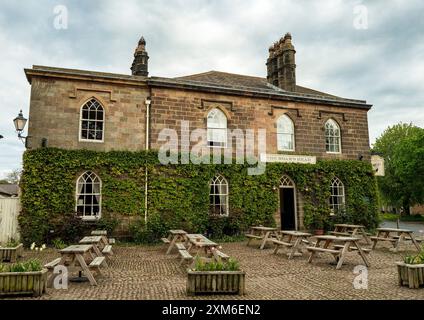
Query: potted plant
x=28, y=278
x=215, y=277
x=11, y=251
x=411, y=271
x=318, y=225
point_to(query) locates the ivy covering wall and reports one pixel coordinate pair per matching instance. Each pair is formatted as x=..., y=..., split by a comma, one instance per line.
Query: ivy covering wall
x=178, y=195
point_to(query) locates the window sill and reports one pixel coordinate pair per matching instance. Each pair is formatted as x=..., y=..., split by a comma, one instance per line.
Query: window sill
x=88, y=140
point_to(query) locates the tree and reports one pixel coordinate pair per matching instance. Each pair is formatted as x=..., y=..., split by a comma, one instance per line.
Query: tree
x=14, y=176
x=402, y=147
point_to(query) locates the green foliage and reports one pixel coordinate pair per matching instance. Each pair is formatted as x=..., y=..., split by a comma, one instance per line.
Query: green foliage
x=394, y=217
x=59, y=243
x=415, y=259
x=402, y=147
x=179, y=194
x=12, y=243
x=29, y=266
x=219, y=265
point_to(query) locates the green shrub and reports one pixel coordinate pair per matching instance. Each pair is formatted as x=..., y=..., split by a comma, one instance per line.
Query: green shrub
x=230, y=265
x=59, y=243
x=29, y=266
x=415, y=259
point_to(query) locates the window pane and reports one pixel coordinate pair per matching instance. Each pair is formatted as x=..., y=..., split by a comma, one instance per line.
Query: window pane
x=88, y=195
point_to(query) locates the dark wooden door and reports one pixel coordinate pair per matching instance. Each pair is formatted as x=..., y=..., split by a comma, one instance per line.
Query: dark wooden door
x=287, y=209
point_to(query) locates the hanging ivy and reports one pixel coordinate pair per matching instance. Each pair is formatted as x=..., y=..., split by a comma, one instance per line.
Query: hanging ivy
x=178, y=195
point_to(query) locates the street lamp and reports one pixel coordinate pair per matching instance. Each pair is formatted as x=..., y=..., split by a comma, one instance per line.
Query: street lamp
x=20, y=122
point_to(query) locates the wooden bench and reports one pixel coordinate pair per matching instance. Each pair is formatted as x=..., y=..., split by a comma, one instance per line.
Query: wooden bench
x=185, y=256
x=287, y=244
x=96, y=263
x=50, y=267
x=107, y=250
x=52, y=264
x=318, y=249
x=165, y=240
x=220, y=255
x=248, y=235
x=336, y=233
x=99, y=233
x=180, y=246
x=391, y=239
x=352, y=248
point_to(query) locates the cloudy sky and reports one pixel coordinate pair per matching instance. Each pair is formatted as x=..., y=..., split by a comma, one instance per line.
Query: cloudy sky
x=371, y=50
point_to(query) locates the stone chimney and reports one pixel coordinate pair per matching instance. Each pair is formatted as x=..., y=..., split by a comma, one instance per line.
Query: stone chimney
x=281, y=65
x=140, y=64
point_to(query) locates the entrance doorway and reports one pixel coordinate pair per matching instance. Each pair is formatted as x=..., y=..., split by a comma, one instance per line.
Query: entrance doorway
x=288, y=204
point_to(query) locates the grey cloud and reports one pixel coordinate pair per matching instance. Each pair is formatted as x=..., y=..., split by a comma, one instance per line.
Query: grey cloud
x=383, y=64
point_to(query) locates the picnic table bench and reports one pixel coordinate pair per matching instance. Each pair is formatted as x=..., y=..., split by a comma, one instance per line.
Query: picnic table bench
x=350, y=230
x=395, y=237
x=81, y=257
x=292, y=240
x=266, y=234
x=337, y=251
x=174, y=236
x=100, y=244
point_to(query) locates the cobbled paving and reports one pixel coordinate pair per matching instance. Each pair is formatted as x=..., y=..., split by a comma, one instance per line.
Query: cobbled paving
x=145, y=272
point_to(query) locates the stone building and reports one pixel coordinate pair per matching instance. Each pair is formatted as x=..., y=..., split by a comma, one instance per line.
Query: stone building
x=104, y=111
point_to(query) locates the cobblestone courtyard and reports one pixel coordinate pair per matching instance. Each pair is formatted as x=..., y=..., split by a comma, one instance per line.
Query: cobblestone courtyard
x=145, y=272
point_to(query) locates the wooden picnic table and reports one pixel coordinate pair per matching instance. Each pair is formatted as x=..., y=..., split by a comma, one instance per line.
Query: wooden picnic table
x=78, y=256
x=200, y=242
x=342, y=229
x=98, y=242
x=386, y=234
x=338, y=247
x=174, y=237
x=291, y=239
x=266, y=234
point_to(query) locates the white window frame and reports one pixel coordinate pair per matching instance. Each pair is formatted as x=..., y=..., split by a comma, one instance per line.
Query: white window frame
x=219, y=181
x=333, y=124
x=337, y=184
x=224, y=128
x=93, y=194
x=285, y=117
x=80, y=138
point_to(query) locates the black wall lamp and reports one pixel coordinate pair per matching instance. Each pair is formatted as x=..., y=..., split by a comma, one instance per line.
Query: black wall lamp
x=20, y=122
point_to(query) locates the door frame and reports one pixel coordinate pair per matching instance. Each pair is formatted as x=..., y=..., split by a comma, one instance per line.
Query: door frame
x=292, y=186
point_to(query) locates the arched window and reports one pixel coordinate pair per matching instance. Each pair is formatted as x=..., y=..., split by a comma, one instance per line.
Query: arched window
x=92, y=121
x=218, y=196
x=285, y=181
x=285, y=134
x=88, y=196
x=332, y=137
x=217, y=128
x=337, y=198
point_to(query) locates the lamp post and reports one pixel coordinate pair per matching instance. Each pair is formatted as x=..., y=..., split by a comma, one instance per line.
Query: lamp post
x=20, y=122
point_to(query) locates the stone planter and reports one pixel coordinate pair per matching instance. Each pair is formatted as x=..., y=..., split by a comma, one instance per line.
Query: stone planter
x=23, y=283
x=11, y=254
x=215, y=282
x=410, y=275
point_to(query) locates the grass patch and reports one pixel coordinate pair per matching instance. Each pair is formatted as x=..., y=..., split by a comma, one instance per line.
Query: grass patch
x=394, y=217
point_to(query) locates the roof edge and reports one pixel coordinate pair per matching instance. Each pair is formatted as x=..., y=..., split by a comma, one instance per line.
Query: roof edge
x=169, y=83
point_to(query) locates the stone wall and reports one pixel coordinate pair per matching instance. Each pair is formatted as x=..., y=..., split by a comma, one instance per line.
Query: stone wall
x=170, y=106
x=55, y=114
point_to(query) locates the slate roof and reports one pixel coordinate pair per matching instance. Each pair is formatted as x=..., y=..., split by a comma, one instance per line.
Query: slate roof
x=9, y=189
x=211, y=81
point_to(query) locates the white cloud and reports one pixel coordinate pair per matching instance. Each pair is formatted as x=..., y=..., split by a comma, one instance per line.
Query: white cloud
x=383, y=64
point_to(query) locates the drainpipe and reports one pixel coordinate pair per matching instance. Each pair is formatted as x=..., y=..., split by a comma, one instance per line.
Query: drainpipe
x=147, y=102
